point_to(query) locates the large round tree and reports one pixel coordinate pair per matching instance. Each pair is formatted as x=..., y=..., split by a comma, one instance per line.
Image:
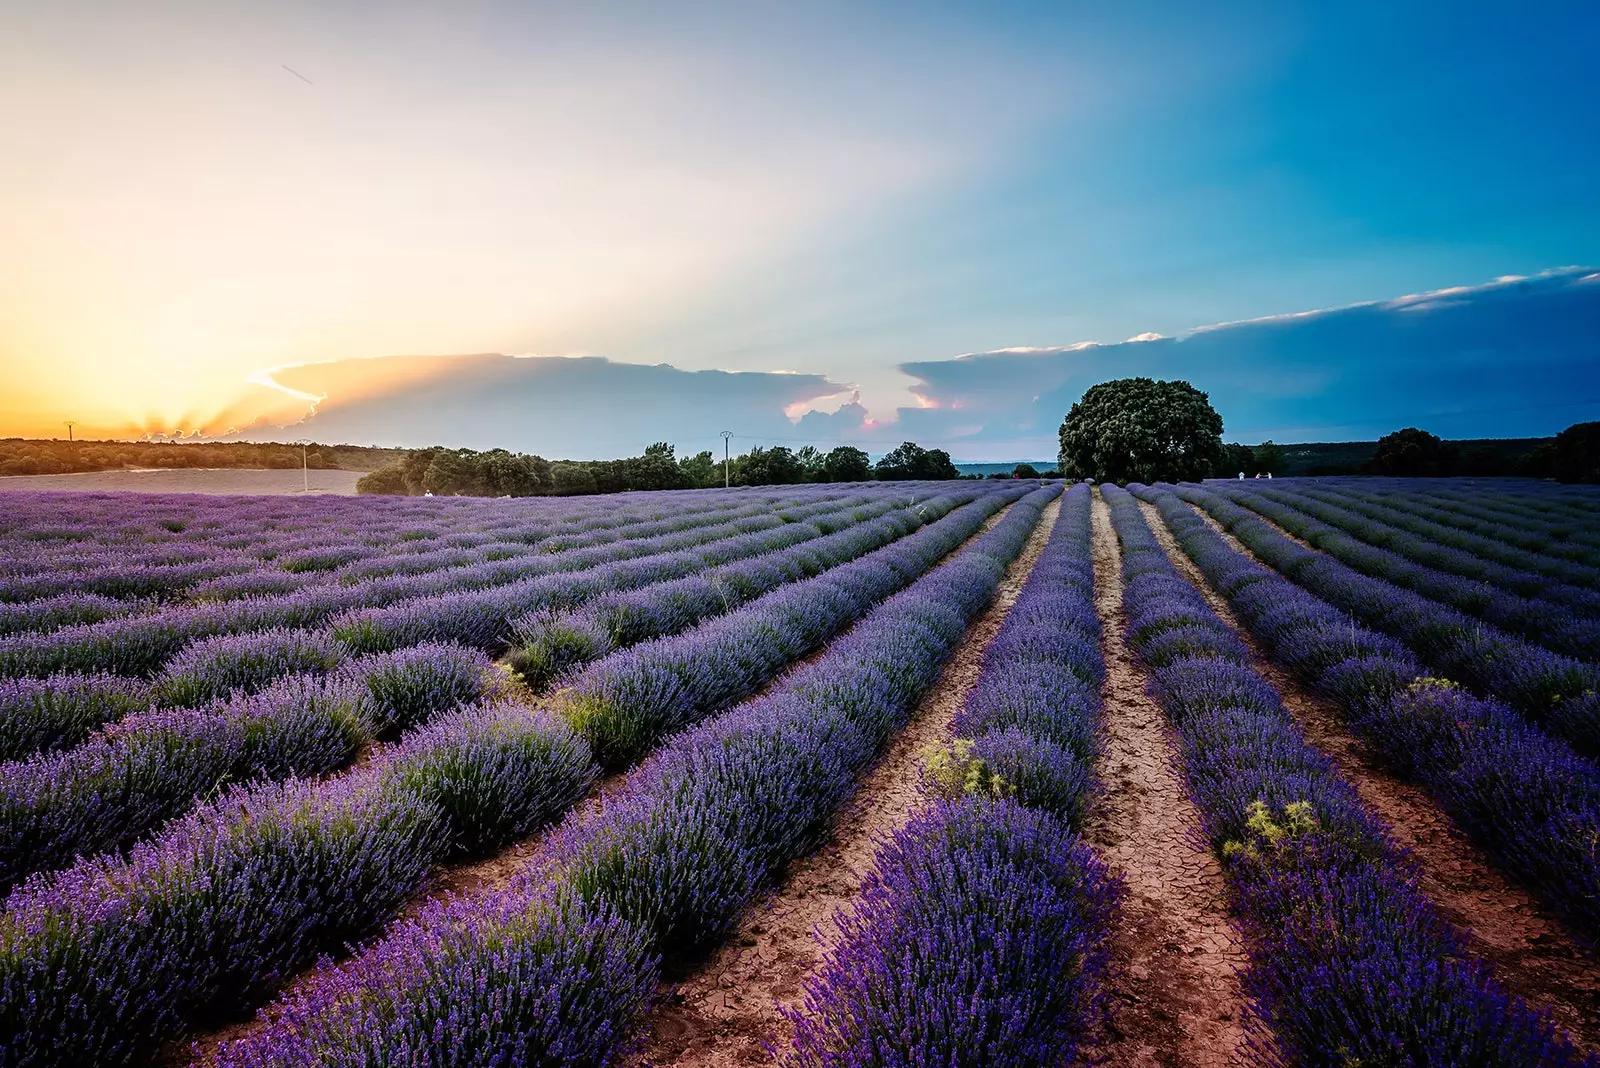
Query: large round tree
x=1141, y=430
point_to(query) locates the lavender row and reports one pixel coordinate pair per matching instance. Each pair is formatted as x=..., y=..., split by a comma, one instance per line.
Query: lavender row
x=1030, y=727
x=1551, y=613
x=1565, y=530
x=1349, y=962
x=313, y=561
x=1396, y=557
x=63, y=610
x=213, y=667
x=62, y=710
x=125, y=781
x=323, y=559
x=138, y=645
x=628, y=701
x=1525, y=798
x=1558, y=693
x=1485, y=510
x=102, y=962
x=481, y=617
x=1531, y=573
x=980, y=935
x=308, y=536
x=557, y=968
x=553, y=644
x=979, y=938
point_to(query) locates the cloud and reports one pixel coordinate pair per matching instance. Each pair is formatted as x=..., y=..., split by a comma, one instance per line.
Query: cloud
x=563, y=407
x=1513, y=357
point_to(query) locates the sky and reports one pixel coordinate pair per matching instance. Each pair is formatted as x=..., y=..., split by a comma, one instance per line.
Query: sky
x=578, y=228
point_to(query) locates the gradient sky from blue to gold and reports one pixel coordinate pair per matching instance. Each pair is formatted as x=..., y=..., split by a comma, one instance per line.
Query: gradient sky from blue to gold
x=831, y=189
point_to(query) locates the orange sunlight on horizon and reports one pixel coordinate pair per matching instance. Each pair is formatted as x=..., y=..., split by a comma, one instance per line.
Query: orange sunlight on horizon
x=187, y=212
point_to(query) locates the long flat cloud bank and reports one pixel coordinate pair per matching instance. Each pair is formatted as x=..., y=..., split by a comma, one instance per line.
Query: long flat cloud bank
x=1513, y=358
x=581, y=408
x=1516, y=357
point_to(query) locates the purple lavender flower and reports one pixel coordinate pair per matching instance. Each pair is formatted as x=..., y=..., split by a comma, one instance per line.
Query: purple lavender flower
x=979, y=938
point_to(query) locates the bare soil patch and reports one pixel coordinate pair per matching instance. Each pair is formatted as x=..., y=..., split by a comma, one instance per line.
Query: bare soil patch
x=1529, y=947
x=727, y=1012
x=1175, y=996
x=209, y=480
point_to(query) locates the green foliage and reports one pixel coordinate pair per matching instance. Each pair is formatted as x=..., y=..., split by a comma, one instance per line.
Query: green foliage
x=657, y=469
x=846, y=463
x=1577, y=454
x=1269, y=458
x=388, y=480
x=1413, y=453
x=702, y=470
x=1139, y=429
x=1264, y=834
x=1024, y=471
x=911, y=461
x=957, y=771
x=1237, y=458
x=776, y=466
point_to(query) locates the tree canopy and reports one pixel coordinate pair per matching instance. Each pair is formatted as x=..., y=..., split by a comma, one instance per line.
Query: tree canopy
x=1577, y=453
x=909, y=460
x=1140, y=429
x=846, y=464
x=1413, y=453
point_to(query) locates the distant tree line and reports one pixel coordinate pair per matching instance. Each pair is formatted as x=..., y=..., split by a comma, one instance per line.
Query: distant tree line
x=498, y=473
x=34, y=456
x=1572, y=456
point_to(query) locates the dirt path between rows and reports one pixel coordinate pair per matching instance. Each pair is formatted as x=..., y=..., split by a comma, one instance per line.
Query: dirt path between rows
x=1175, y=996
x=471, y=878
x=728, y=1011
x=1529, y=947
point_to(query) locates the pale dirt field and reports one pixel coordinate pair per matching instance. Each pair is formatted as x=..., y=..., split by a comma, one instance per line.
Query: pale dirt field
x=190, y=480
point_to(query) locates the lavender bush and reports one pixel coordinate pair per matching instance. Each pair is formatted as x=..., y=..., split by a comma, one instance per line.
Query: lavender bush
x=62, y=710
x=978, y=939
x=494, y=772
x=225, y=905
x=215, y=667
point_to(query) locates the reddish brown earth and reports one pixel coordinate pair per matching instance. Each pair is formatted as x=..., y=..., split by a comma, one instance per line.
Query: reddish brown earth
x=1175, y=996
x=1530, y=949
x=728, y=1011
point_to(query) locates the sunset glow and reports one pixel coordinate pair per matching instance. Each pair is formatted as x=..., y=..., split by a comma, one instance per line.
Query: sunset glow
x=198, y=195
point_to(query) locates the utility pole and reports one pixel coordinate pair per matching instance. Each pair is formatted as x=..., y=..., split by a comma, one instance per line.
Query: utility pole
x=305, y=466
x=726, y=434
x=70, y=424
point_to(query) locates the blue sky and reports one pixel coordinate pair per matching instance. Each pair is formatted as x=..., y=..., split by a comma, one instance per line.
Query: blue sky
x=852, y=193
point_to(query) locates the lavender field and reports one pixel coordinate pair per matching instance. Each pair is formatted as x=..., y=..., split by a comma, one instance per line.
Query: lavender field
x=878, y=774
